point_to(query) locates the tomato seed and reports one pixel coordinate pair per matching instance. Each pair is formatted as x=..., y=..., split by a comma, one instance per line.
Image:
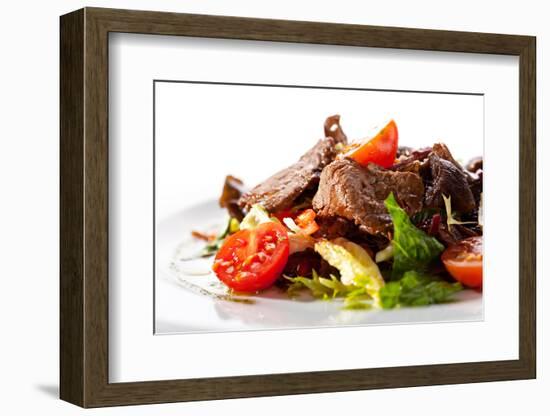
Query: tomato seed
x=269, y=247
x=249, y=260
x=239, y=242
x=241, y=275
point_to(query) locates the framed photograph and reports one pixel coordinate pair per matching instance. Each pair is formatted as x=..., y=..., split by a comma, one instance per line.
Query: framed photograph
x=255, y=207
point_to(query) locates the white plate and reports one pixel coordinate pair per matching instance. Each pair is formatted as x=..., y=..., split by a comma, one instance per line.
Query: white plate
x=189, y=298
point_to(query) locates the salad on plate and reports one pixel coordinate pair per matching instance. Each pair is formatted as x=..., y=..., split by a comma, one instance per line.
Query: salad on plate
x=370, y=222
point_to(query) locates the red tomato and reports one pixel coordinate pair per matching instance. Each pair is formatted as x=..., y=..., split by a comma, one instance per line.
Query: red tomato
x=464, y=261
x=251, y=260
x=381, y=149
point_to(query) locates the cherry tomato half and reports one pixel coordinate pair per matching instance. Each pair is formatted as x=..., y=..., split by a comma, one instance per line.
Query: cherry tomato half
x=381, y=149
x=251, y=260
x=464, y=261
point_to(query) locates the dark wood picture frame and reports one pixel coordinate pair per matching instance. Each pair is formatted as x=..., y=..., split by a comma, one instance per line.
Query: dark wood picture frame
x=84, y=207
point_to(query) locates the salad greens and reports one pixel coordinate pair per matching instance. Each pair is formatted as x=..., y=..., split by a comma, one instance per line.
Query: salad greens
x=413, y=249
x=355, y=295
x=355, y=265
x=231, y=226
x=360, y=282
x=256, y=216
x=416, y=289
x=319, y=287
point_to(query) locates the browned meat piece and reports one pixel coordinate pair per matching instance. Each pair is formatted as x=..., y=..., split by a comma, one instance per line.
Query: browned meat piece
x=403, y=151
x=303, y=263
x=418, y=159
x=455, y=233
x=333, y=227
x=475, y=164
x=282, y=189
x=460, y=193
x=442, y=174
x=333, y=129
x=448, y=178
x=350, y=191
x=476, y=186
x=441, y=150
x=437, y=226
x=232, y=191
x=415, y=161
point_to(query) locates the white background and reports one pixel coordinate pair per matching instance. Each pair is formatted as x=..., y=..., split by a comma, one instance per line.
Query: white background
x=29, y=214
x=251, y=132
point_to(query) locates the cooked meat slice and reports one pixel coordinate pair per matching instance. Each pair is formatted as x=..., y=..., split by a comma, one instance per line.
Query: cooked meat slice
x=438, y=227
x=413, y=162
x=417, y=160
x=355, y=193
x=333, y=129
x=441, y=150
x=302, y=263
x=450, y=180
x=475, y=164
x=232, y=191
x=404, y=151
x=455, y=233
x=282, y=189
x=333, y=227
x=442, y=174
x=476, y=186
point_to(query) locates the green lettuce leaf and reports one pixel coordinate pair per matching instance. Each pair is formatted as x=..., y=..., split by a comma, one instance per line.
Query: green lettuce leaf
x=230, y=227
x=355, y=265
x=256, y=216
x=359, y=282
x=416, y=289
x=413, y=249
x=319, y=287
x=355, y=295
